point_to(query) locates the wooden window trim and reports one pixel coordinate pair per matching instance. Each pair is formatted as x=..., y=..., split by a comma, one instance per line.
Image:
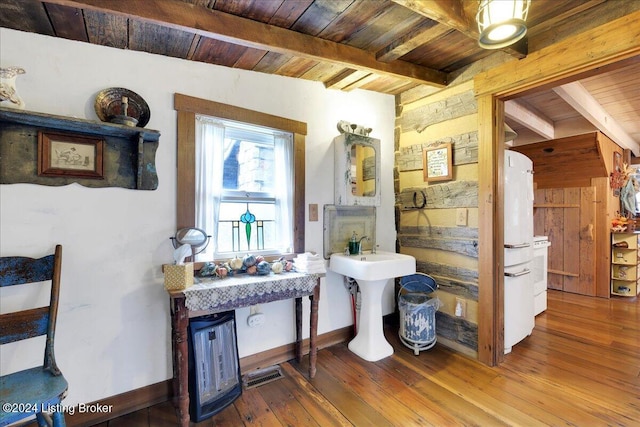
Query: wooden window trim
x=188, y=107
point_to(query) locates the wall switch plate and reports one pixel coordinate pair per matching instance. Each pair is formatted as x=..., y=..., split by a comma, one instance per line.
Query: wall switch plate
x=461, y=216
x=256, y=319
x=461, y=308
x=313, y=212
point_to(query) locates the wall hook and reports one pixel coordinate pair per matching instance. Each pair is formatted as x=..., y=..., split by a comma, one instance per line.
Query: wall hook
x=415, y=200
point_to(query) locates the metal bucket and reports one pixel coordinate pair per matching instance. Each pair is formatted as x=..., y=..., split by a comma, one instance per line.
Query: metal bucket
x=418, y=312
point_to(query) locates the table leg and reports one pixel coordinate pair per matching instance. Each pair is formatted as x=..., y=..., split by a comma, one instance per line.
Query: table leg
x=179, y=324
x=313, y=334
x=299, y=329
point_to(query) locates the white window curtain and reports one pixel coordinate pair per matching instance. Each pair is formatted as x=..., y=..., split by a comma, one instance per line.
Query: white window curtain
x=210, y=135
x=209, y=147
x=283, y=156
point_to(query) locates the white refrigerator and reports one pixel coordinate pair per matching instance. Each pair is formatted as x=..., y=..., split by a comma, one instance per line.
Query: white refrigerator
x=519, y=318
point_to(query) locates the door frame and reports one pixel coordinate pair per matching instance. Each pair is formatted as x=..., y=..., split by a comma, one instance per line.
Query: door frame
x=609, y=46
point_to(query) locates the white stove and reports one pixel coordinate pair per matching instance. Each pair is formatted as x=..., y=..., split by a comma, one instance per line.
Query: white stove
x=540, y=256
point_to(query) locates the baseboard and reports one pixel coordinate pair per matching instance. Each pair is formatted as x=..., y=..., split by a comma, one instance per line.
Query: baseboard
x=121, y=404
x=153, y=394
x=287, y=352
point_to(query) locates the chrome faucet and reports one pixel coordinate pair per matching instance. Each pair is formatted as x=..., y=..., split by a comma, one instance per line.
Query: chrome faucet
x=360, y=244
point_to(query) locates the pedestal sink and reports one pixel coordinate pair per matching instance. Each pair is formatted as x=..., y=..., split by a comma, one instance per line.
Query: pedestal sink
x=372, y=272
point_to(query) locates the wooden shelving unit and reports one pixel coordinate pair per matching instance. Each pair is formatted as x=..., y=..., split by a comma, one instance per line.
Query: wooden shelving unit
x=129, y=154
x=625, y=260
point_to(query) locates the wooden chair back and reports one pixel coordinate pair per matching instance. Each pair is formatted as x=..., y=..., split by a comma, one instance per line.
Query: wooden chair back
x=29, y=323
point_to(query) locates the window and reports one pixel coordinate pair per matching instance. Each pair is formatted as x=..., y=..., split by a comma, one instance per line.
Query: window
x=256, y=129
x=244, y=191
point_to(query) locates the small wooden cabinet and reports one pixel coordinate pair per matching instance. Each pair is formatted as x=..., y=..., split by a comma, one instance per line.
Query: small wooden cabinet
x=625, y=271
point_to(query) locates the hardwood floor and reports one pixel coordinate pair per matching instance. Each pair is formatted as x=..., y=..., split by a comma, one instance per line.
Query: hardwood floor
x=581, y=366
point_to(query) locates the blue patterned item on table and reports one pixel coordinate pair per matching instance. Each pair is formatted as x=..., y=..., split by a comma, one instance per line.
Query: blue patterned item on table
x=208, y=270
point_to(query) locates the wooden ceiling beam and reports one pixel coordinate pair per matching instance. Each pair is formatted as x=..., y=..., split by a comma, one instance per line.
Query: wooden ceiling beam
x=530, y=118
x=456, y=14
x=237, y=30
x=579, y=98
x=448, y=12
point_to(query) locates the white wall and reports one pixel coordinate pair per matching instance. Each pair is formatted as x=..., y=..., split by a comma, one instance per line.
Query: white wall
x=113, y=327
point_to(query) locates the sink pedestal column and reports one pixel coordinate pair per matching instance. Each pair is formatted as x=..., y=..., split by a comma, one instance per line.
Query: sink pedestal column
x=370, y=343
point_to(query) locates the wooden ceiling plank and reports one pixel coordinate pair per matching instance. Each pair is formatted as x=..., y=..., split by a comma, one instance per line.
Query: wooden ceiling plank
x=322, y=72
x=296, y=67
x=194, y=46
x=319, y=15
x=271, y=62
x=237, y=7
x=361, y=82
x=335, y=81
x=25, y=15
x=68, y=22
x=153, y=38
x=289, y=12
x=384, y=27
x=249, y=59
x=357, y=16
x=262, y=11
x=530, y=118
x=579, y=98
x=217, y=52
x=233, y=29
x=107, y=29
x=424, y=34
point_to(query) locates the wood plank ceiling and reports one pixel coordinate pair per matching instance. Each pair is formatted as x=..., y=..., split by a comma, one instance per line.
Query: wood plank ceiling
x=398, y=47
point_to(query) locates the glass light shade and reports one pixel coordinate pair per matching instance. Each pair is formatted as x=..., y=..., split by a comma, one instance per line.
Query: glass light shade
x=501, y=22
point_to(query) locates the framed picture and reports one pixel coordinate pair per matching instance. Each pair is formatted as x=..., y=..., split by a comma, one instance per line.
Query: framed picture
x=68, y=155
x=437, y=163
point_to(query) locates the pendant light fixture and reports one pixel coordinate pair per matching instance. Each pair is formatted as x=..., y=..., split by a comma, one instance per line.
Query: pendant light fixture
x=501, y=22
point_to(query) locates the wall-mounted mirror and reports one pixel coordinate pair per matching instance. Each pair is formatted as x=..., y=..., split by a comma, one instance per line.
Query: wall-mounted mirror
x=357, y=170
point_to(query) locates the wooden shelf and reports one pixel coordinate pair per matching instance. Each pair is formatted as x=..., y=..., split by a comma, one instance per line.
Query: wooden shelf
x=129, y=154
x=625, y=274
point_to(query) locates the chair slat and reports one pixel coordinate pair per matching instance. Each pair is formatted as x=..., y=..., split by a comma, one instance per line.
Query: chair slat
x=23, y=324
x=19, y=270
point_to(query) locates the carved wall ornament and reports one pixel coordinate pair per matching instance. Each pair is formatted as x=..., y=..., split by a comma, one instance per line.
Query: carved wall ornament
x=8, y=95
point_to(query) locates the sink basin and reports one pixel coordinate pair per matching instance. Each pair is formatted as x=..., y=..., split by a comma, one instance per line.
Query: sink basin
x=378, y=266
x=372, y=272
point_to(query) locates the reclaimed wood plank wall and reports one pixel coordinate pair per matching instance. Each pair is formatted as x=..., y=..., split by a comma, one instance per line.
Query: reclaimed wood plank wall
x=426, y=212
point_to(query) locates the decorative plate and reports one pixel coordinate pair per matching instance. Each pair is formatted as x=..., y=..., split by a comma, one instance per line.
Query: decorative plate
x=109, y=104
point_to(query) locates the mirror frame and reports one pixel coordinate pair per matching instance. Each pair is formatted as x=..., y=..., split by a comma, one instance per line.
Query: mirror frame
x=196, y=246
x=342, y=163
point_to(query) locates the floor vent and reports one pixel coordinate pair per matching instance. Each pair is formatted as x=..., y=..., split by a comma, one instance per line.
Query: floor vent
x=262, y=376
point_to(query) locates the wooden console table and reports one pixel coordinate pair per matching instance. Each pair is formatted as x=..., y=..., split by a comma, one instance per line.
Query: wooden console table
x=210, y=296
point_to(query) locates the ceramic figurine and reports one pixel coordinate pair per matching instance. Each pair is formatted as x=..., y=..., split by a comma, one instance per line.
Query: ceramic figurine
x=8, y=87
